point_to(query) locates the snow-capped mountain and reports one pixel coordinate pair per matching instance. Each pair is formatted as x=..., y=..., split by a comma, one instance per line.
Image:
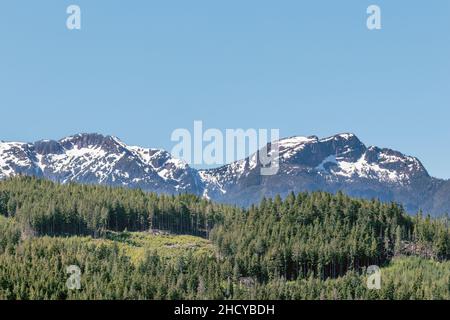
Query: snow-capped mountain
x=96, y=159
x=341, y=162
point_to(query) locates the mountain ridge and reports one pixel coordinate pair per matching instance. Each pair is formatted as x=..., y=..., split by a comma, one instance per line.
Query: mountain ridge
x=339, y=162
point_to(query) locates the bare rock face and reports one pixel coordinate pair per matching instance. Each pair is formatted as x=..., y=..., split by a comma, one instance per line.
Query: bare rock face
x=97, y=159
x=341, y=162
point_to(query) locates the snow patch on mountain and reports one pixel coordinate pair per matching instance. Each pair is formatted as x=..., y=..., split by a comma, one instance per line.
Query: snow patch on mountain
x=97, y=159
x=305, y=163
x=290, y=146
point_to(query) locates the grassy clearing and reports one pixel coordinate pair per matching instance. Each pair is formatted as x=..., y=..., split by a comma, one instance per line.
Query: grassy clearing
x=135, y=244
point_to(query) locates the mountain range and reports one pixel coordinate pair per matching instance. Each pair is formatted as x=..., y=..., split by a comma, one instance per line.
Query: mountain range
x=341, y=162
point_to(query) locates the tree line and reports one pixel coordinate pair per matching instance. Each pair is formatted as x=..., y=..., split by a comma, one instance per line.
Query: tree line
x=46, y=208
x=306, y=246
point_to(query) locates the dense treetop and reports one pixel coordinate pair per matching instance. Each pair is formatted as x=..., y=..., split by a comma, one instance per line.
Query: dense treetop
x=307, y=246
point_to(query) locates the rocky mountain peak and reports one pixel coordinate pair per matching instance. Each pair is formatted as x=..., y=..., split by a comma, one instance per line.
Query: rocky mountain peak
x=340, y=162
x=92, y=141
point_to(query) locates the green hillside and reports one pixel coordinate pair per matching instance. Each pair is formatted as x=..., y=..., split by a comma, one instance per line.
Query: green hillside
x=133, y=245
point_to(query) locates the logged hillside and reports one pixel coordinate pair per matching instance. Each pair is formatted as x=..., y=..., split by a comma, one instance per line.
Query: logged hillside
x=134, y=245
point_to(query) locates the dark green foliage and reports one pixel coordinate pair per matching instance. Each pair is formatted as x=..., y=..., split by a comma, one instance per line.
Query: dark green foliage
x=324, y=235
x=37, y=271
x=47, y=208
x=9, y=234
x=309, y=246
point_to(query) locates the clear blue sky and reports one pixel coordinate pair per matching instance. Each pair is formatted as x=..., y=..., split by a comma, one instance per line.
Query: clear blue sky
x=140, y=69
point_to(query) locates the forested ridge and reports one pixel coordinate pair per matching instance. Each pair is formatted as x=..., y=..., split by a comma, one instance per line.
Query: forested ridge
x=307, y=246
